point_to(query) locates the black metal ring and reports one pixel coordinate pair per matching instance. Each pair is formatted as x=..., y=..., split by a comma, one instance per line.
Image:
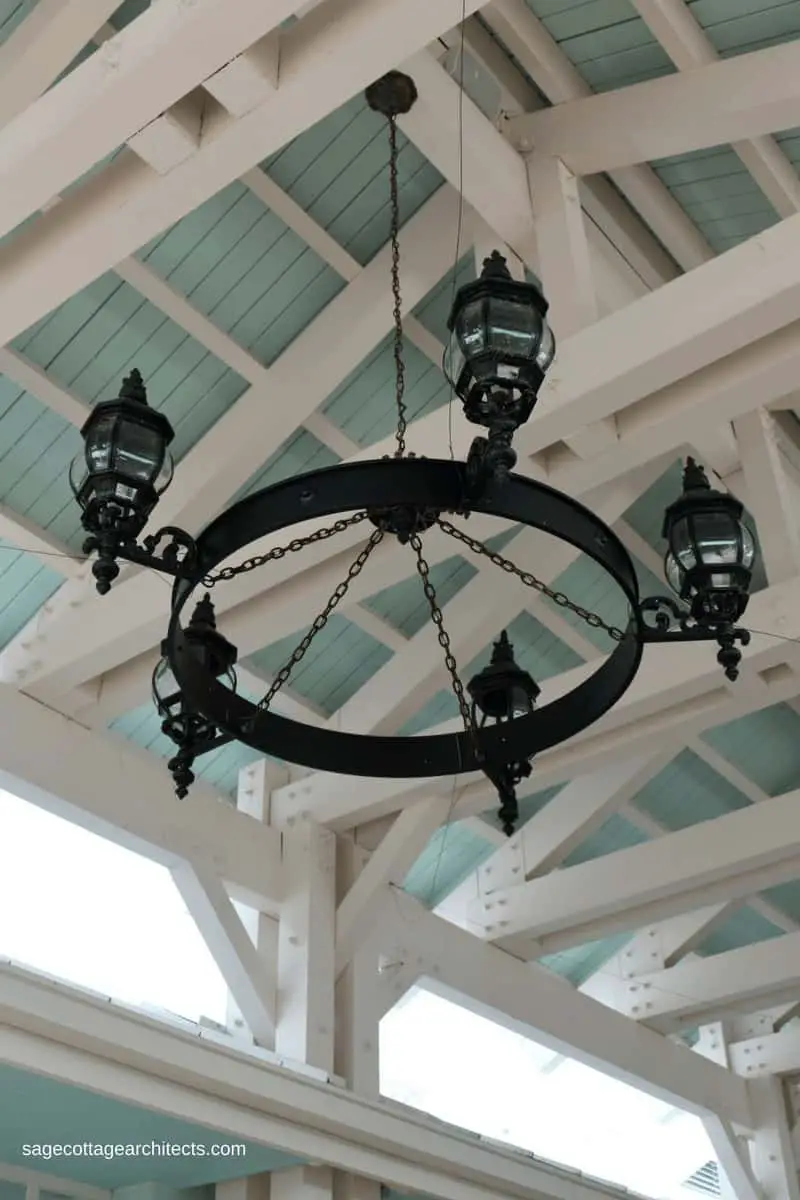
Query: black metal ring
x=430, y=483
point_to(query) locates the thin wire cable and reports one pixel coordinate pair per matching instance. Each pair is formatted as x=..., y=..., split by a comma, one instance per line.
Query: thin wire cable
x=460, y=218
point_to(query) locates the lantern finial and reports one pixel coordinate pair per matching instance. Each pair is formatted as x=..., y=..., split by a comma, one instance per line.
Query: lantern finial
x=495, y=267
x=133, y=387
x=694, y=477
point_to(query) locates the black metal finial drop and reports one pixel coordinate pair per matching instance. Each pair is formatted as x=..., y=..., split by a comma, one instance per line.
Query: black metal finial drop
x=204, y=616
x=503, y=651
x=133, y=387
x=393, y=94
x=694, y=477
x=495, y=267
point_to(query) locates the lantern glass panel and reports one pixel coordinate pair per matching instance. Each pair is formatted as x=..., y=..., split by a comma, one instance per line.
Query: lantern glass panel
x=471, y=328
x=140, y=452
x=716, y=536
x=100, y=443
x=513, y=329
x=454, y=359
x=547, y=348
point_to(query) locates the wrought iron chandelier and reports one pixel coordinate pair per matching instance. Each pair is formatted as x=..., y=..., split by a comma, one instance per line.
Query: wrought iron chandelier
x=500, y=349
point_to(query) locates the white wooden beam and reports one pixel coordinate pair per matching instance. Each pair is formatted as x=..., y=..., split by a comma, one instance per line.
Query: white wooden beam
x=251, y=983
x=533, y=1001
x=546, y=63
x=736, y=855
x=306, y=946
x=772, y=502
x=25, y=373
x=565, y=269
x=772, y=1153
x=674, y=26
x=726, y=101
x=249, y=79
x=396, y=854
x=173, y=137
x=28, y=537
x=44, y=45
x=44, y=1181
x=104, y=785
x=732, y=1157
x=101, y=104
x=60, y=1034
x=357, y=994
x=105, y=219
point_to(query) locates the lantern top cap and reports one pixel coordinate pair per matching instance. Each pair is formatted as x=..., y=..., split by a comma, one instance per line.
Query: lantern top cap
x=495, y=266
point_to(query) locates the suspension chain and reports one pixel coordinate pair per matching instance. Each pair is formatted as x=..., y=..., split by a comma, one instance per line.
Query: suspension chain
x=505, y=564
x=319, y=535
x=397, y=311
x=423, y=570
x=319, y=623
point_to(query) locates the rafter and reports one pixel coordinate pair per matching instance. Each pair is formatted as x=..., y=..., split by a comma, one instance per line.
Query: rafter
x=671, y=22
x=726, y=101
x=123, y=794
x=736, y=855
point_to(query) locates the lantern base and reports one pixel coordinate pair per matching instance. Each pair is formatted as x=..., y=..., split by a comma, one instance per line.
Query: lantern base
x=404, y=520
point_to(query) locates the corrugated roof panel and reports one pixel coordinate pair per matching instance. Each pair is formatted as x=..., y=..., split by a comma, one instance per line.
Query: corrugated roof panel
x=686, y=792
x=340, y=660
x=337, y=172
x=763, y=746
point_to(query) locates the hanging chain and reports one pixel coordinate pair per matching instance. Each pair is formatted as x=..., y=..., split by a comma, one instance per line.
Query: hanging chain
x=423, y=570
x=399, y=364
x=319, y=623
x=505, y=564
x=250, y=564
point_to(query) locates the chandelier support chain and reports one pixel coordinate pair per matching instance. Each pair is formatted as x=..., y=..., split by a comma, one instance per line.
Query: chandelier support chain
x=505, y=564
x=397, y=299
x=423, y=570
x=321, y=620
x=261, y=560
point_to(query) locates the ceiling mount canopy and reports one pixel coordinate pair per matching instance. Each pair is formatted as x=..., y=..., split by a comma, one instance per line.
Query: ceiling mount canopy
x=500, y=349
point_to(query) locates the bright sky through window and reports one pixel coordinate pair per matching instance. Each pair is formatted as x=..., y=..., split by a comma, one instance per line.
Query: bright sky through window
x=77, y=906
x=471, y=1072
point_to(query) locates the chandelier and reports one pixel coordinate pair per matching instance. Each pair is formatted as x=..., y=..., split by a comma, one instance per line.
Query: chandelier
x=499, y=351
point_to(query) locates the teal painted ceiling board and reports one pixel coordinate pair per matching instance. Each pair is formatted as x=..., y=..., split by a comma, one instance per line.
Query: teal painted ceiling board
x=25, y=585
x=686, y=792
x=404, y=605
x=764, y=747
x=786, y=896
x=739, y=26
x=608, y=42
x=587, y=584
x=451, y=855
x=337, y=172
x=12, y=14
x=339, y=661
x=579, y=962
x=614, y=834
x=742, y=928
x=299, y=453
x=364, y=405
x=434, y=309
x=39, y=1111
x=441, y=707
x=244, y=269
